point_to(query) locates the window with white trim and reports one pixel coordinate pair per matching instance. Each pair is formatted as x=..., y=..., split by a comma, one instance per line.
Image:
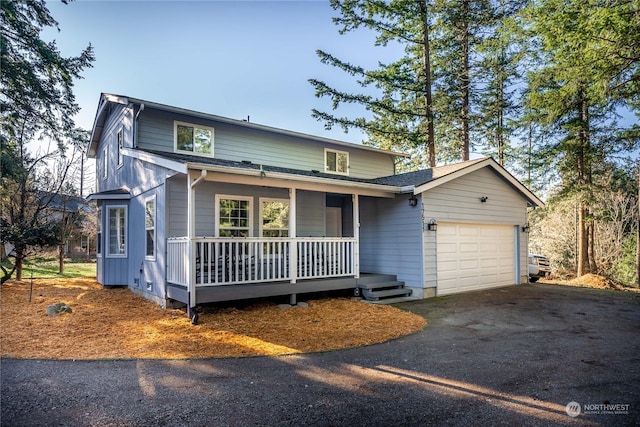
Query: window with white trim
x=105, y=162
x=336, y=161
x=99, y=232
x=275, y=217
x=150, y=227
x=193, y=139
x=234, y=216
x=119, y=143
x=117, y=231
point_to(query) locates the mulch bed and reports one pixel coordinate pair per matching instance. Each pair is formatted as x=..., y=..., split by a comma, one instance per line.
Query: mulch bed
x=115, y=323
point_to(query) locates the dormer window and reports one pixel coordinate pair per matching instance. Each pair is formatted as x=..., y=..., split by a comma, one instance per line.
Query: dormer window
x=336, y=162
x=193, y=139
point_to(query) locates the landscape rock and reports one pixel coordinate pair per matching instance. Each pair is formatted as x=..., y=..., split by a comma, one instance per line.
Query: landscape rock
x=58, y=308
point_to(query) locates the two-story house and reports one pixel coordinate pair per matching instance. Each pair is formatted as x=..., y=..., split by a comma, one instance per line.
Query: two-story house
x=199, y=208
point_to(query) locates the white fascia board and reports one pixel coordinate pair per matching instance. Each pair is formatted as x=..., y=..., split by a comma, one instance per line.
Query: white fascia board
x=155, y=160
x=369, y=188
x=94, y=197
x=99, y=120
x=476, y=166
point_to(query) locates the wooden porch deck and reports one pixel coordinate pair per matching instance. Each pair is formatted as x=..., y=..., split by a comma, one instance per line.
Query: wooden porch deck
x=219, y=293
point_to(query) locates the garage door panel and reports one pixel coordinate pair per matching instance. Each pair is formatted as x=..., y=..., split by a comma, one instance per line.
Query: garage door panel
x=474, y=256
x=471, y=264
x=448, y=248
x=467, y=231
x=468, y=247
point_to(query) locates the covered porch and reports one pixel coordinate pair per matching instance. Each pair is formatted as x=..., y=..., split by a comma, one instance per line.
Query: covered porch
x=237, y=268
x=246, y=255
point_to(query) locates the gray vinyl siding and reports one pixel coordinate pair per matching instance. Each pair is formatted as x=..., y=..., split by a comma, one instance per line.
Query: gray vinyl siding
x=142, y=271
x=231, y=142
x=310, y=218
x=390, y=239
x=459, y=201
x=120, y=118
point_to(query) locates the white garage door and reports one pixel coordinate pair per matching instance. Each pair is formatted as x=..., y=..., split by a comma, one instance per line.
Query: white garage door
x=474, y=256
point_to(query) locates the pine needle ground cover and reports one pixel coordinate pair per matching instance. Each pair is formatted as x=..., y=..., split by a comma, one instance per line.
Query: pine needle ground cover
x=115, y=323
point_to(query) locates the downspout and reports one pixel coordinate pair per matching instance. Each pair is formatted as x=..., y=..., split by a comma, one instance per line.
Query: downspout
x=191, y=231
x=135, y=126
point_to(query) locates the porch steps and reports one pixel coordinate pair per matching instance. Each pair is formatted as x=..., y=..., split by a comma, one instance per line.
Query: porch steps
x=383, y=289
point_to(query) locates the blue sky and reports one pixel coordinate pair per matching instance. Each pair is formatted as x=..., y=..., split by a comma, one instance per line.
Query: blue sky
x=233, y=59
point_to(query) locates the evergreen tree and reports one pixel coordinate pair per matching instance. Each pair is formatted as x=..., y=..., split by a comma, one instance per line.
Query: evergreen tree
x=37, y=102
x=573, y=105
x=397, y=94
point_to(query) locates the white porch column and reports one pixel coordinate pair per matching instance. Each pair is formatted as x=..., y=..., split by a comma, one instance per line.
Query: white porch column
x=293, y=234
x=191, y=232
x=356, y=234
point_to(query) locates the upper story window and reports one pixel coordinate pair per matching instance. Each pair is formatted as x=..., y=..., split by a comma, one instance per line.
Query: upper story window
x=120, y=142
x=105, y=163
x=193, y=139
x=336, y=162
x=234, y=216
x=275, y=217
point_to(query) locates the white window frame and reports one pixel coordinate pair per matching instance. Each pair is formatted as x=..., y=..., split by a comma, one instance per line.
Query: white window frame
x=232, y=197
x=105, y=162
x=152, y=257
x=192, y=125
x=108, y=231
x=337, y=153
x=264, y=200
x=99, y=235
x=120, y=146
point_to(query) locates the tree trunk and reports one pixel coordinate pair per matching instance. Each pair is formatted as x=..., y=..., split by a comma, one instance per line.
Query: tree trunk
x=426, y=57
x=61, y=259
x=583, y=261
x=464, y=79
x=19, y=267
x=584, y=181
x=638, y=234
x=591, y=227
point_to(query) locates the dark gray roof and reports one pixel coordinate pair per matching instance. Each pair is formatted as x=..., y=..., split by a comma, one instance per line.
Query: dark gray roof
x=64, y=202
x=423, y=176
x=407, y=179
x=118, y=193
x=188, y=158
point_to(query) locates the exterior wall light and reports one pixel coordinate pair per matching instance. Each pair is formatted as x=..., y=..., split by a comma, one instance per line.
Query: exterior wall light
x=526, y=228
x=413, y=200
x=432, y=225
x=484, y=199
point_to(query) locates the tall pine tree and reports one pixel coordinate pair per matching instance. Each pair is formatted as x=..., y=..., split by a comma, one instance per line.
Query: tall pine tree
x=398, y=94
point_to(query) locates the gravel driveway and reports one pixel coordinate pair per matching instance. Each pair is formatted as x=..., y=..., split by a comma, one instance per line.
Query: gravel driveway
x=510, y=356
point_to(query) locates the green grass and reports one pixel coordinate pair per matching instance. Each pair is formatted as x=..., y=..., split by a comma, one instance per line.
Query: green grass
x=48, y=267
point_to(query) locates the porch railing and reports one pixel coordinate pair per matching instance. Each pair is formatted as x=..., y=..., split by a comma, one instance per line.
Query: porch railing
x=226, y=261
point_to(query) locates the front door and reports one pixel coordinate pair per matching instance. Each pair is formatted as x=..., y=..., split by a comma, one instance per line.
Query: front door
x=334, y=222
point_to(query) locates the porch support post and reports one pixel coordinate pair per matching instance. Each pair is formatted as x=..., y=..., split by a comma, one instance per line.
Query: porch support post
x=191, y=232
x=293, y=234
x=356, y=235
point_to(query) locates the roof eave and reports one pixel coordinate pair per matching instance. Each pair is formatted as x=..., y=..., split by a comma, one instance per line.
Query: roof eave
x=255, y=126
x=294, y=177
x=532, y=199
